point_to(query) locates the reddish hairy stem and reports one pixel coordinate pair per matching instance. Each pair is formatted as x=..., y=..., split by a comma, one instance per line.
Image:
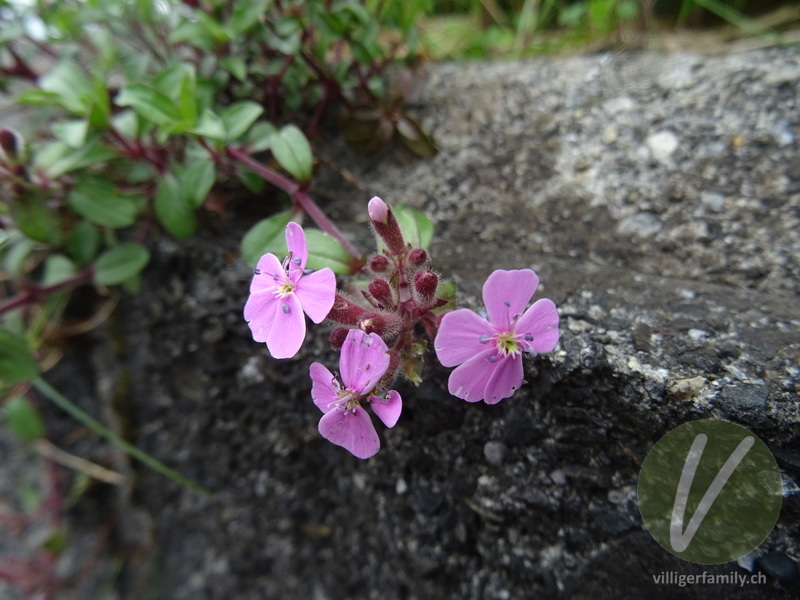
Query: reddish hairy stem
x=299, y=197
x=35, y=293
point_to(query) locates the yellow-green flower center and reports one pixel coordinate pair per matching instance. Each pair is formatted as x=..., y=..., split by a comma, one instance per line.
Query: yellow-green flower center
x=507, y=342
x=287, y=287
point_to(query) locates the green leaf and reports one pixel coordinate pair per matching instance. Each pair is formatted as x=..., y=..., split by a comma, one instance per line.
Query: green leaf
x=99, y=113
x=235, y=65
x=126, y=123
x=36, y=220
x=293, y=152
x=150, y=104
x=210, y=126
x=14, y=257
x=173, y=210
x=83, y=242
x=72, y=133
x=260, y=135
x=246, y=13
x=120, y=264
x=254, y=183
x=416, y=227
x=70, y=83
x=57, y=268
x=97, y=201
x=265, y=236
x=56, y=158
x=39, y=98
x=16, y=361
x=446, y=291
x=325, y=251
x=197, y=179
x=57, y=541
x=239, y=117
x=23, y=419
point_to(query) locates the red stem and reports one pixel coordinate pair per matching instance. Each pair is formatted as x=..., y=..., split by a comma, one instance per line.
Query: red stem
x=299, y=197
x=34, y=293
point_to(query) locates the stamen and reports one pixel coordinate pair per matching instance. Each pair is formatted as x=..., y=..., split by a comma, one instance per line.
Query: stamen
x=296, y=260
x=528, y=337
x=286, y=309
x=257, y=271
x=308, y=271
x=366, y=367
x=483, y=339
x=493, y=358
x=507, y=303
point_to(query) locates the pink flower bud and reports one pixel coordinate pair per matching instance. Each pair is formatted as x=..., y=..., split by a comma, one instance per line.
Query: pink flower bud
x=382, y=292
x=418, y=257
x=386, y=226
x=378, y=211
x=378, y=264
x=426, y=283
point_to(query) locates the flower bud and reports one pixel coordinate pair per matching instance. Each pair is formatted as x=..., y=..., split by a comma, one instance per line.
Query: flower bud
x=382, y=292
x=386, y=325
x=418, y=257
x=378, y=264
x=386, y=226
x=338, y=336
x=345, y=311
x=12, y=147
x=378, y=211
x=426, y=282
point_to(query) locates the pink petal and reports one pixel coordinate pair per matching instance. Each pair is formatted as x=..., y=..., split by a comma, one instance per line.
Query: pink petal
x=352, y=430
x=505, y=380
x=459, y=337
x=506, y=294
x=323, y=391
x=468, y=381
x=387, y=409
x=316, y=292
x=363, y=361
x=259, y=312
x=268, y=268
x=297, y=247
x=541, y=322
x=288, y=327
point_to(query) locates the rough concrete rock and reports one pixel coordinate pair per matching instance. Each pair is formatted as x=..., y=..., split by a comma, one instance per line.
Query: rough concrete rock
x=658, y=198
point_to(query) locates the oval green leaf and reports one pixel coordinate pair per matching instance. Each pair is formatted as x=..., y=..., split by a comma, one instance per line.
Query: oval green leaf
x=120, y=264
x=173, y=210
x=97, y=201
x=16, y=361
x=293, y=152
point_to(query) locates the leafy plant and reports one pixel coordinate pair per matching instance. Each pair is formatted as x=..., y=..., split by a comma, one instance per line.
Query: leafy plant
x=134, y=126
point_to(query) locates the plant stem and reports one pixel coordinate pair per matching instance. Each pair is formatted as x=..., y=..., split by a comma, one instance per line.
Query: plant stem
x=299, y=197
x=86, y=419
x=34, y=293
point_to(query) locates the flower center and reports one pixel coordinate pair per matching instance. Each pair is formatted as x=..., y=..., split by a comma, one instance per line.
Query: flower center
x=348, y=400
x=507, y=342
x=287, y=287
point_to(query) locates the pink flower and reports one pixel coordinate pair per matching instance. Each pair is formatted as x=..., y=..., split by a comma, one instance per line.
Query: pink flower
x=489, y=352
x=280, y=293
x=363, y=361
